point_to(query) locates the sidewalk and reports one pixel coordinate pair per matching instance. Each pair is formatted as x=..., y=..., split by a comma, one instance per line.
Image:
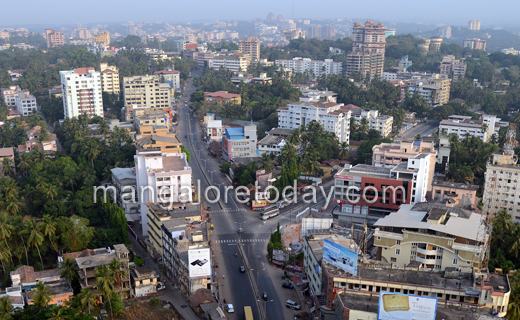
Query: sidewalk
x=283, y=294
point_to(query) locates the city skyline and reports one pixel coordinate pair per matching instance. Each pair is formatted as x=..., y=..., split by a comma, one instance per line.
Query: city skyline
x=377, y=10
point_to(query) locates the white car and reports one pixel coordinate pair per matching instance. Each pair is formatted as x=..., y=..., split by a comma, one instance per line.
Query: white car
x=230, y=308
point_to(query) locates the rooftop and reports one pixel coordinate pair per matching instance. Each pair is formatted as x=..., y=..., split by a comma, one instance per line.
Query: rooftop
x=455, y=185
x=62, y=288
x=221, y=94
x=178, y=210
x=123, y=173
x=28, y=275
x=97, y=257
x=142, y=273
x=6, y=152
x=214, y=124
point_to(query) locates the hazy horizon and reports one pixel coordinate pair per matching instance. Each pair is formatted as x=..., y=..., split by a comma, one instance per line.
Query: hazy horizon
x=60, y=12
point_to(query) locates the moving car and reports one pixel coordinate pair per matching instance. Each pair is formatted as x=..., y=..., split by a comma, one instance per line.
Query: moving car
x=292, y=305
x=287, y=285
x=242, y=269
x=265, y=296
x=240, y=230
x=230, y=308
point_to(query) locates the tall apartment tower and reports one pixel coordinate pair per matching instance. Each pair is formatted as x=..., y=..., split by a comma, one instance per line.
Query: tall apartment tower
x=446, y=32
x=368, y=50
x=329, y=32
x=81, y=90
x=146, y=91
x=315, y=31
x=474, y=25
x=251, y=46
x=109, y=78
x=103, y=37
x=54, y=38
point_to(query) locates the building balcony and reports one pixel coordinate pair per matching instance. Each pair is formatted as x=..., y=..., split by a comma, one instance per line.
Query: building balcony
x=426, y=252
x=388, y=235
x=467, y=247
x=425, y=261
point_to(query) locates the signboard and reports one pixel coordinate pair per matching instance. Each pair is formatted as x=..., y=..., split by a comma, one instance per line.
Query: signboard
x=199, y=263
x=398, y=306
x=257, y=204
x=113, y=48
x=344, y=177
x=340, y=257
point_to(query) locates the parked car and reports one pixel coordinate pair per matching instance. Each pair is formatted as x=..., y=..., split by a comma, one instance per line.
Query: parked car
x=242, y=269
x=160, y=286
x=230, y=308
x=287, y=285
x=292, y=305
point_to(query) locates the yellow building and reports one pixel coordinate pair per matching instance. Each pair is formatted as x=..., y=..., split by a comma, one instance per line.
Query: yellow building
x=146, y=91
x=109, y=78
x=103, y=37
x=158, y=138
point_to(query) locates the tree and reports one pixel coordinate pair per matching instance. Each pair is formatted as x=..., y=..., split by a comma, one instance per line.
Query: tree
x=48, y=228
x=105, y=283
x=24, y=163
x=5, y=256
x=69, y=270
x=92, y=150
x=35, y=237
x=266, y=163
x=116, y=268
x=6, y=230
x=42, y=295
x=87, y=298
x=6, y=308
x=57, y=313
x=138, y=261
x=7, y=167
x=344, y=150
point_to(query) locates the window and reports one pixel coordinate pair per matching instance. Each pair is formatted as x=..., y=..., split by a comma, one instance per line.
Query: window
x=454, y=261
x=393, y=259
x=398, y=242
x=456, y=251
x=414, y=244
x=397, y=251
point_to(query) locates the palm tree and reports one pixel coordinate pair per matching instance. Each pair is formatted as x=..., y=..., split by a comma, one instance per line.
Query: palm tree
x=42, y=296
x=13, y=205
x=87, y=298
x=363, y=126
x=6, y=309
x=24, y=163
x=117, y=270
x=20, y=233
x=35, y=238
x=49, y=191
x=266, y=163
x=105, y=283
x=344, y=150
x=5, y=255
x=6, y=230
x=48, y=228
x=69, y=270
x=7, y=167
x=103, y=128
x=57, y=313
x=92, y=150
x=485, y=127
x=444, y=132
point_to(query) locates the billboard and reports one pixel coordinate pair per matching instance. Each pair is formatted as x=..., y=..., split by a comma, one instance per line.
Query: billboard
x=199, y=263
x=398, y=306
x=340, y=256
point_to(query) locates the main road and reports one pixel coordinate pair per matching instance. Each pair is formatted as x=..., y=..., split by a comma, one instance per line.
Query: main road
x=424, y=129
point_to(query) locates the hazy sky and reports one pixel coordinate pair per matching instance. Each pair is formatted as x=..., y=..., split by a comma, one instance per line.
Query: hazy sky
x=56, y=12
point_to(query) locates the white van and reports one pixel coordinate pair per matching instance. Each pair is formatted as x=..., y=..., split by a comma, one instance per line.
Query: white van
x=293, y=305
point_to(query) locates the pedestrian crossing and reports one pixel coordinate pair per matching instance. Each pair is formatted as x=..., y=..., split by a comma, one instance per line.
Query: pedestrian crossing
x=241, y=240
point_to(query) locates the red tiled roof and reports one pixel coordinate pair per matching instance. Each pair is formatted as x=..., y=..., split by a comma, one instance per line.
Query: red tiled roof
x=324, y=105
x=349, y=107
x=83, y=70
x=221, y=94
x=191, y=46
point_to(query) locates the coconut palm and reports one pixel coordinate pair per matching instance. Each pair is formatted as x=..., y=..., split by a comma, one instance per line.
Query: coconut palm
x=5, y=255
x=42, y=295
x=103, y=128
x=48, y=228
x=6, y=309
x=57, y=313
x=7, y=167
x=363, y=126
x=24, y=163
x=117, y=270
x=19, y=232
x=105, y=283
x=92, y=150
x=6, y=230
x=344, y=150
x=266, y=163
x=69, y=270
x=87, y=298
x=13, y=205
x=35, y=237
x=49, y=191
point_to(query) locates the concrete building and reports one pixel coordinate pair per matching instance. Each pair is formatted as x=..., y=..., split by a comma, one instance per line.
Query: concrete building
x=455, y=68
x=511, y=51
x=315, y=95
x=123, y=179
x=369, y=193
x=435, y=44
x=103, y=38
x=9, y=154
x=483, y=128
x=429, y=86
x=231, y=60
x=404, y=64
x=433, y=234
x=251, y=47
x=314, y=31
x=146, y=91
x=475, y=43
x=239, y=142
x=443, y=154
x=274, y=141
x=474, y=25
x=161, y=176
x=376, y=121
x=389, y=155
x=315, y=68
x=328, y=32
x=81, y=90
x=33, y=142
x=10, y=95
x=291, y=34
x=456, y=194
x=25, y=103
x=501, y=187
x=144, y=281
x=446, y=32
x=222, y=97
x=368, y=50
x=109, y=78
x=333, y=117
x=180, y=234
x=158, y=137
x=131, y=112
x=214, y=130
x=54, y=38
x=172, y=77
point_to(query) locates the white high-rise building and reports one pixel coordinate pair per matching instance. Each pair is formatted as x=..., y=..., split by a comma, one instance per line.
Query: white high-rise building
x=161, y=176
x=333, y=117
x=81, y=90
x=315, y=68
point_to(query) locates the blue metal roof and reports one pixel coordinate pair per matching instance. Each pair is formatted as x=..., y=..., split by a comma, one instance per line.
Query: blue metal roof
x=417, y=143
x=235, y=133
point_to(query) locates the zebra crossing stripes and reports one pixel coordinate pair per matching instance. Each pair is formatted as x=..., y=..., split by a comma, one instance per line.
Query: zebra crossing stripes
x=242, y=240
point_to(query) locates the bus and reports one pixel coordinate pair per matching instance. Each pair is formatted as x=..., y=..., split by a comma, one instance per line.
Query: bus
x=248, y=313
x=269, y=212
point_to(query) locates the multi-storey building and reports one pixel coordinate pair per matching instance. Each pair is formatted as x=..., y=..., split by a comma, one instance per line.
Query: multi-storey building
x=475, y=43
x=314, y=31
x=432, y=87
x=319, y=95
x=231, y=60
x=10, y=95
x=54, y=38
x=123, y=180
x=109, y=78
x=392, y=154
x=446, y=32
x=251, y=47
x=433, y=234
x=131, y=112
x=274, y=141
x=376, y=121
x=483, y=128
x=474, y=25
x=222, y=97
x=328, y=32
x=25, y=103
x=291, y=34
x=172, y=77
x=502, y=187
x=146, y=91
x=153, y=137
x=457, y=194
x=239, y=142
x=4, y=34
x=104, y=38
x=435, y=44
x=368, y=50
x=315, y=68
x=368, y=193
x=333, y=117
x=511, y=51
x=144, y=281
x=81, y=91
x=161, y=177
x=451, y=66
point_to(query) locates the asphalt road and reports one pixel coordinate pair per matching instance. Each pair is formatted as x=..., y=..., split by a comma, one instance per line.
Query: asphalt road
x=424, y=129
